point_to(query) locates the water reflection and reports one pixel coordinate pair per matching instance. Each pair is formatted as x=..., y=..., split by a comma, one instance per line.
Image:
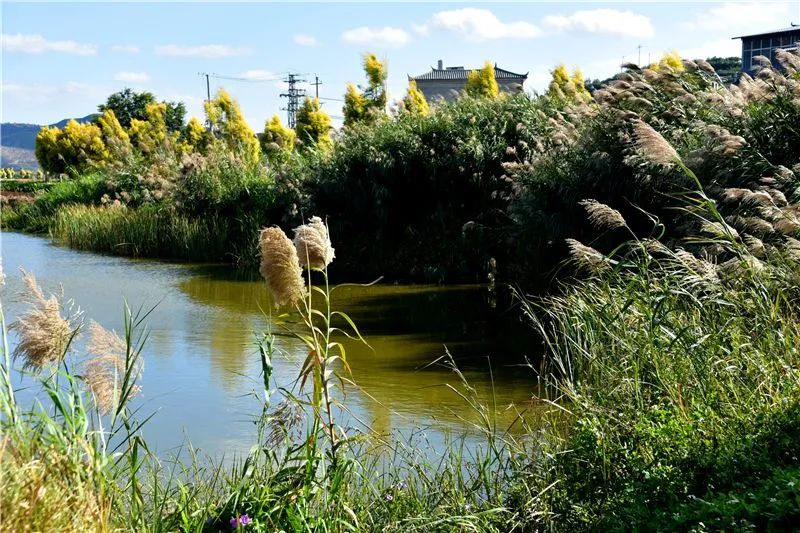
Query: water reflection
x=201, y=362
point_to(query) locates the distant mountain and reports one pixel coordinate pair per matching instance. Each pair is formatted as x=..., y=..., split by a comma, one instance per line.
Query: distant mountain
x=17, y=142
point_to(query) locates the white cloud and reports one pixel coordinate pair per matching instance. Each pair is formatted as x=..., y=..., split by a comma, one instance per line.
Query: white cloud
x=386, y=36
x=132, y=77
x=36, y=44
x=603, y=22
x=258, y=75
x=305, y=40
x=478, y=25
x=125, y=49
x=205, y=51
x=735, y=18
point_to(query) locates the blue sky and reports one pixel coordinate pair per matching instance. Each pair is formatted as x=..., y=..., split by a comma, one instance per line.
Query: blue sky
x=61, y=60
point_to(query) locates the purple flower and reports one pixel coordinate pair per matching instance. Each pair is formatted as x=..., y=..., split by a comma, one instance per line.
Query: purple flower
x=240, y=521
x=389, y=497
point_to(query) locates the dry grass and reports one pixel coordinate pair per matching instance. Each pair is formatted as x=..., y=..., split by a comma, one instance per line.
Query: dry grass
x=48, y=491
x=105, y=367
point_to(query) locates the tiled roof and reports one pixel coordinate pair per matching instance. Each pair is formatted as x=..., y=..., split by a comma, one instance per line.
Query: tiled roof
x=462, y=73
x=782, y=30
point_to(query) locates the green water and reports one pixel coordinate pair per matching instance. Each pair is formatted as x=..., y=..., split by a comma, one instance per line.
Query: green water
x=202, y=369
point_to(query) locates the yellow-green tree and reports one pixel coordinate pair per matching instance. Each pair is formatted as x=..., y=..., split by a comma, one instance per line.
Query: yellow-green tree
x=671, y=60
x=74, y=149
x=481, y=82
x=277, y=140
x=151, y=134
x=115, y=137
x=414, y=101
x=196, y=138
x=229, y=126
x=313, y=124
x=568, y=88
x=369, y=104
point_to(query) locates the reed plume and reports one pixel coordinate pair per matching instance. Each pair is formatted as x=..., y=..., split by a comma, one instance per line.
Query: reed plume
x=313, y=245
x=106, y=366
x=586, y=257
x=602, y=216
x=280, y=267
x=652, y=146
x=44, y=334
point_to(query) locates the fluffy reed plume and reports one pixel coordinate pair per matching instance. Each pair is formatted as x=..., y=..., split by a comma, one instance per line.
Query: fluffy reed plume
x=733, y=194
x=602, y=216
x=44, y=335
x=280, y=266
x=105, y=368
x=654, y=246
x=652, y=146
x=792, y=246
x=703, y=269
x=758, y=198
x=755, y=245
x=313, y=245
x=719, y=230
x=586, y=257
x=738, y=267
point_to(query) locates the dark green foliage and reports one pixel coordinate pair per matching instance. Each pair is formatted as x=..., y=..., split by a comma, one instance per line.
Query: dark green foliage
x=727, y=68
x=127, y=105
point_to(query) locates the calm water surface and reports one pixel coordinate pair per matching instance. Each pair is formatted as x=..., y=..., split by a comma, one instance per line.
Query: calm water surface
x=202, y=368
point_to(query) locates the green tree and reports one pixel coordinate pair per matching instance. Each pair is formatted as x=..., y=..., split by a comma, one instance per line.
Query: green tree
x=128, y=105
x=74, y=149
x=369, y=103
x=230, y=127
x=414, y=101
x=313, y=124
x=277, y=140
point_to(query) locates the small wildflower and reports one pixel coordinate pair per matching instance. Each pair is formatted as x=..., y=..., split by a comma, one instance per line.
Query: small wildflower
x=237, y=522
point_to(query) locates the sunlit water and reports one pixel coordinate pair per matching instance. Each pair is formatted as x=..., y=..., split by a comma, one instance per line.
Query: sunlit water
x=202, y=370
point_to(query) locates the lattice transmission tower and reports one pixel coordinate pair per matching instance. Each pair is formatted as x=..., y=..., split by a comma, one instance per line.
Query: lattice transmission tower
x=294, y=95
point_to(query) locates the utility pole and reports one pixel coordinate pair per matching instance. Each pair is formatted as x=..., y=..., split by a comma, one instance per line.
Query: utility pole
x=293, y=95
x=316, y=85
x=208, y=94
x=639, y=63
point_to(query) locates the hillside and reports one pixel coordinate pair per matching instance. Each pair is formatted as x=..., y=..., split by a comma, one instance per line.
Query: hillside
x=18, y=140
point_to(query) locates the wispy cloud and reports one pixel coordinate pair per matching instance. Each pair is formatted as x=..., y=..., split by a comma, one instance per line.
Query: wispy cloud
x=383, y=37
x=36, y=44
x=205, y=51
x=258, y=75
x=125, y=49
x=724, y=47
x=479, y=25
x=733, y=17
x=305, y=40
x=132, y=77
x=41, y=93
x=603, y=22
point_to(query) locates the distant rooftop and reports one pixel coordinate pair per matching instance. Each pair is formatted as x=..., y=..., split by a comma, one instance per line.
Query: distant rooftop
x=460, y=73
x=792, y=27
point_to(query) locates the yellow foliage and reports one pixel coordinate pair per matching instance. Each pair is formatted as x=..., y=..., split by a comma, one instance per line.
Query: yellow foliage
x=151, y=134
x=375, y=70
x=75, y=149
x=672, y=60
x=229, y=125
x=313, y=124
x=354, y=105
x=414, y=101
x=115, y=137
x=277, y=141
x=196, y=137
x=482, y=83
x=568, y=88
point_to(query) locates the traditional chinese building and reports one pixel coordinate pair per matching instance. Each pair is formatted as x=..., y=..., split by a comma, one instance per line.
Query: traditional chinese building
x=446, y=83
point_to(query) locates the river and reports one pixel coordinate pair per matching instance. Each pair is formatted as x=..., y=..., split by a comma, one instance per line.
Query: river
x=202, y=371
